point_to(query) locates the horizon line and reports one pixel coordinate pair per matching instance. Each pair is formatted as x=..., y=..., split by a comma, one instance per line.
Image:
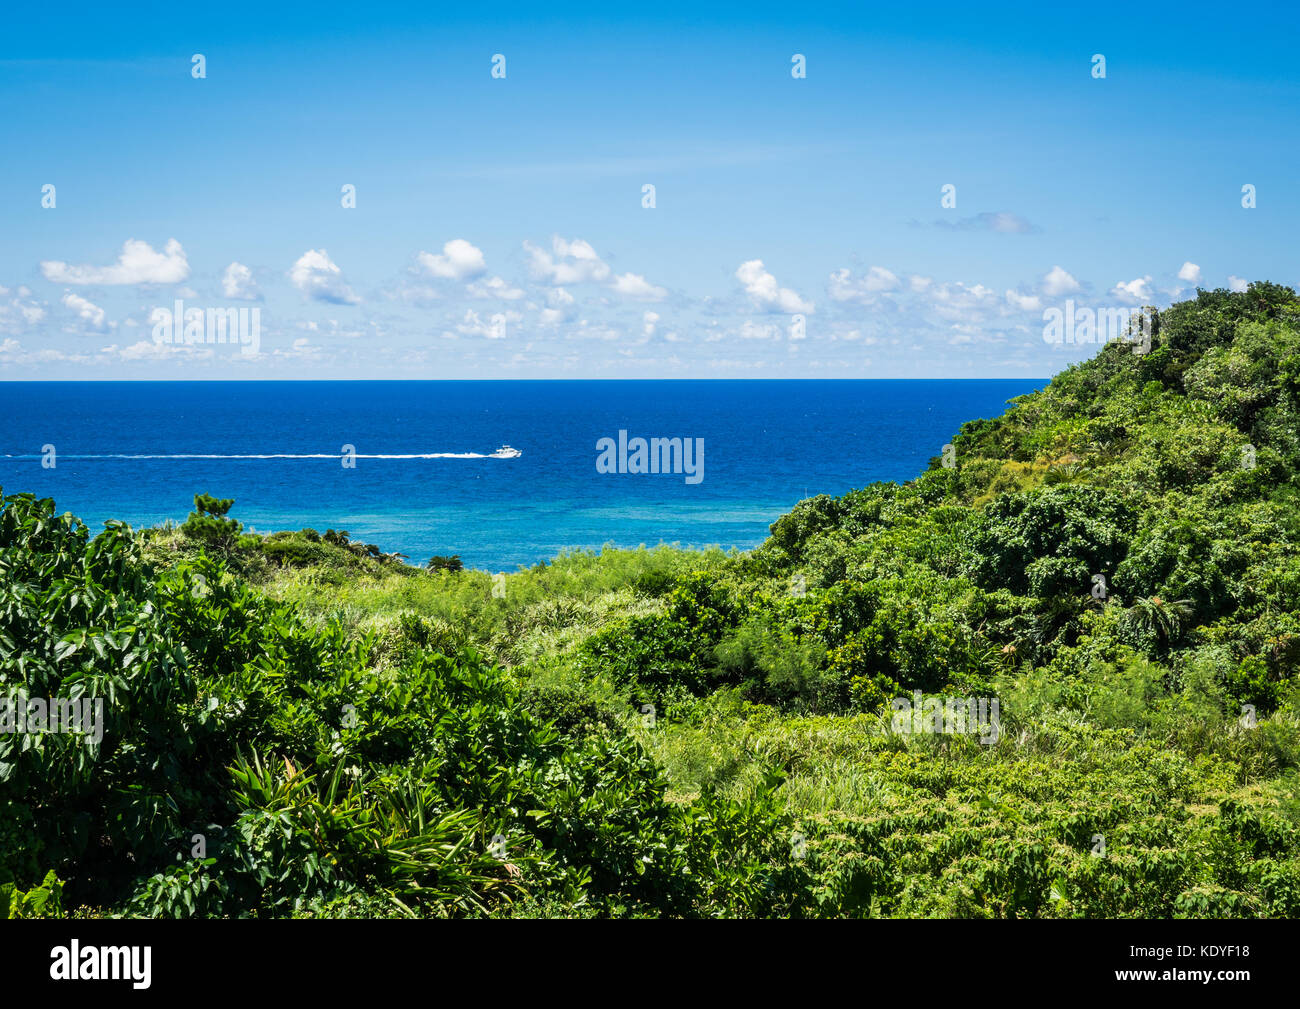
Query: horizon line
x=235, y=381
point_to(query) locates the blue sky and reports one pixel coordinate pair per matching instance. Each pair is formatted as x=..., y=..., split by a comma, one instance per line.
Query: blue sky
x=499, y=229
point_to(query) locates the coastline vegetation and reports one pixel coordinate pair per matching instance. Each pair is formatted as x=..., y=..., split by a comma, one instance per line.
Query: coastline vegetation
x=302, y=725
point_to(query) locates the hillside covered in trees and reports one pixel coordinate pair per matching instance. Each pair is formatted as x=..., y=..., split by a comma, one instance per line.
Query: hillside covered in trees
x=1107, y=580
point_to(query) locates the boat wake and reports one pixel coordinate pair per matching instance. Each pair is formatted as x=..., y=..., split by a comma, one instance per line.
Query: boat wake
x=505, y=452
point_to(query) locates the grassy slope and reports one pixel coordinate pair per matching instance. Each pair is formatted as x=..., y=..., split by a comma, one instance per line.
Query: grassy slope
x=1121, y=719
x=1125, y=781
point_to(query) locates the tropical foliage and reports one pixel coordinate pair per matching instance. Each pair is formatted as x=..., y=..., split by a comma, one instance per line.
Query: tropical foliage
x=298, y=724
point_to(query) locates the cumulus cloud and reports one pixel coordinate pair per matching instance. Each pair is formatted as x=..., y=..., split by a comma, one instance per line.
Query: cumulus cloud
x=459, y=260
x=573, y=262
x=766, y=293
x=1190, y=273
x=1024, y=302
x=1057, y=282
x=559, y=306
x=92, y=315
x=633, y=285
x=21, y=313
x=650, y=319
x=139, y=263
x=237, y=283
x=1134, y=291
x=576, y=262
x=495, y=287
x=958, y=301
x=316, y=276
x=843, y=286
x=1237, y=284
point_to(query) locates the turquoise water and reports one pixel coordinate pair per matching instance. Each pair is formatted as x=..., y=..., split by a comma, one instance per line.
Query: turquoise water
x=766, y=445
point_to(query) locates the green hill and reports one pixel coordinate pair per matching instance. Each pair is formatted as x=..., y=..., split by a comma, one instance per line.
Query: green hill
x=1093, y=609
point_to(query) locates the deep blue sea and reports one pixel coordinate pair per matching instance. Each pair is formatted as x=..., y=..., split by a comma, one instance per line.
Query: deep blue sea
x=766, y=445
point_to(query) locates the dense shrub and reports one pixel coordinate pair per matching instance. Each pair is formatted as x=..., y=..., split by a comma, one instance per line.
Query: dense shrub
x=300, y=725
x=253, y=764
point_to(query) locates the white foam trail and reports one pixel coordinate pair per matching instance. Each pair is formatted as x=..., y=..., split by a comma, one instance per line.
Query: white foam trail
x=315, y=455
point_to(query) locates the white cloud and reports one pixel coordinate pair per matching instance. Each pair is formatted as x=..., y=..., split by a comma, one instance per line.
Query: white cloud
x=139, y=263
x=1190, y=273
x=494, y=328
x=1237, y=284
x=495, y=287
x=237, y=283
x=957, y=302
x=764, y=291
x=89, y=313
x=576, y=262
x=633, y=285
x=21, y=313
x=144, y=350
x=573, y=262
x=880, y=279
x=588, y=330
x=1137, y=290
x=1024, y=302
x=1004, y=222
x=843, y=287
x=560, y=306
x=1057, y=282
x=1010, y=224
x=459, y=261
x=302, y=349
x=12, y=352
x=148, y=350
x=316, y=276
x=650, y=318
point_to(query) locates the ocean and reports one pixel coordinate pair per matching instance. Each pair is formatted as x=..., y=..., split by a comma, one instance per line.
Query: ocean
x=139, y=451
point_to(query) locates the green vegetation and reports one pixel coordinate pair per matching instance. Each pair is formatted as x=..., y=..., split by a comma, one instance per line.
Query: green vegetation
x=208, y=524
x=301, y=725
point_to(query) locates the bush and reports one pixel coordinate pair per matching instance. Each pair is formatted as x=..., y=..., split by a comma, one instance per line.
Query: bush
x=208, y=523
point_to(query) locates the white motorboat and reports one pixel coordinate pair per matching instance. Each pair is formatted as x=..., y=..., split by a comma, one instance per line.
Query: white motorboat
x=506, y=452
